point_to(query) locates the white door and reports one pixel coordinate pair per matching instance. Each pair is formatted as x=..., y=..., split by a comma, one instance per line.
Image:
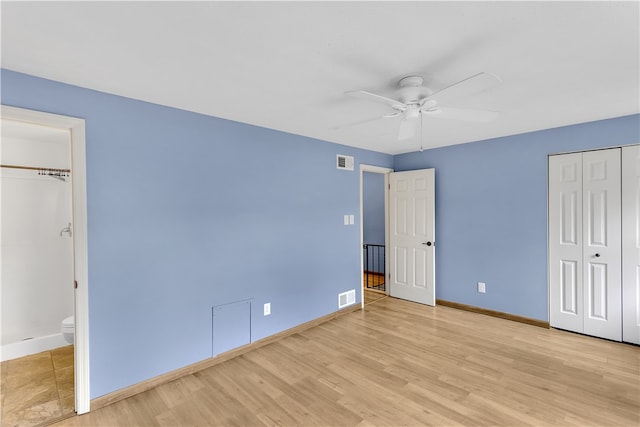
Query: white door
x=602, y=251
x=584, y=243
x=412, y=236
x=631, y=244
x=565, y=242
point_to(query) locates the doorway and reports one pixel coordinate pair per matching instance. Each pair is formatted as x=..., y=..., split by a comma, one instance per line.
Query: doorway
x=409, y=218
x=374, y=232
x=77, y=232
x=37, y=274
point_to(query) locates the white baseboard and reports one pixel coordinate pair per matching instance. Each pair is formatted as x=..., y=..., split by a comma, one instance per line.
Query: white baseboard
x=31, y=346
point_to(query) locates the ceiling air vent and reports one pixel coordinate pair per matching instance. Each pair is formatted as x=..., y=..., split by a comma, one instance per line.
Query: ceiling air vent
x=344, y=162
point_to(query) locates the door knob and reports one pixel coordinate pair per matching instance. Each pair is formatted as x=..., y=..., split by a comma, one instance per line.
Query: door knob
x=427, y=243
x=597, y=255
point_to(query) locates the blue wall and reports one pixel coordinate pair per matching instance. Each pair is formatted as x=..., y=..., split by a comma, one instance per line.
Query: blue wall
x=373, y=208
x=186, y=212
x=491, y=212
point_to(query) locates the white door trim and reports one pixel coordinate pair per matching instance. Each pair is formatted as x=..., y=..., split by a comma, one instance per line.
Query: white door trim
x=76, y=129
x=386, y=172
x=631, y=244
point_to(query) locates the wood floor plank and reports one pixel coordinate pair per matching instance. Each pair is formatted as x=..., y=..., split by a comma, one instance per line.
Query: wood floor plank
x=400, y=363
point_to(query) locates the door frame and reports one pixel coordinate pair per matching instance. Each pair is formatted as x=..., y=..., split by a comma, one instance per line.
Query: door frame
x=385, y=171
x=76, y=128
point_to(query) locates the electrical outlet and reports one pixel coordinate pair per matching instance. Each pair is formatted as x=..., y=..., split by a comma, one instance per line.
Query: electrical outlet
x=482, y=287
x=267, y=309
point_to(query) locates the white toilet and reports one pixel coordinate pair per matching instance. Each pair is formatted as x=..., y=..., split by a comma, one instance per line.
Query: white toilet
x=68, y=329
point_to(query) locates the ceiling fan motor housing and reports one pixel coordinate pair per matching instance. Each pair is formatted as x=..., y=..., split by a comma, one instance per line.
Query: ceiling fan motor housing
x=411, y=90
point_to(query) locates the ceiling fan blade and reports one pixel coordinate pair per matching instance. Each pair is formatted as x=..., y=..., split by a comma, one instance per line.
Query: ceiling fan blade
x=407, y=129
x=368, y=96
x=469, y=86
x=465, y=114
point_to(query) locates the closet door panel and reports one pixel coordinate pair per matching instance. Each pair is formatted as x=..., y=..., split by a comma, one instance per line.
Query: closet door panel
x=565, y=242
x=602, y=244
x=631, y=243
x=569, y=287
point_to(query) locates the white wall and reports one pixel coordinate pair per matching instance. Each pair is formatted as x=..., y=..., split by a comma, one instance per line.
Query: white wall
x=37, y=263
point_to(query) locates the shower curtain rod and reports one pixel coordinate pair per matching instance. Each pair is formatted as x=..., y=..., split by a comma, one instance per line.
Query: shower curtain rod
x=36, y=168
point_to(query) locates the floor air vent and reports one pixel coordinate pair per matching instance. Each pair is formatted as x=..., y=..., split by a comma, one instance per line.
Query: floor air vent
x=344, y=162
x=346, y=298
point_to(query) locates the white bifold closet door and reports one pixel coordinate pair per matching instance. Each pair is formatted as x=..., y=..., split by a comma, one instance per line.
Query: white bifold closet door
x=585, y=277
x=631, y=243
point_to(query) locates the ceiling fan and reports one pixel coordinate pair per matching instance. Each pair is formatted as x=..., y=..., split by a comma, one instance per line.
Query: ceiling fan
x=412, y=101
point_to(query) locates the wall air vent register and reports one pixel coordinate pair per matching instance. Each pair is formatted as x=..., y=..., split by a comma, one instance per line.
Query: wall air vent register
x=344, y=162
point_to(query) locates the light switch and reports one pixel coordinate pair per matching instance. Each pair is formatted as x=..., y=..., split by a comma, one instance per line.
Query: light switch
x=346, y=220
x=351, y=219
x=482, y=287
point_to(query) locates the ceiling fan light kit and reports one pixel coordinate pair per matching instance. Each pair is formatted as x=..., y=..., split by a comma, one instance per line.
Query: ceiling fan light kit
x=412, y=101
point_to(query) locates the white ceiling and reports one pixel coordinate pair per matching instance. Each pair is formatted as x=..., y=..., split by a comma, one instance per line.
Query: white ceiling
x=286, y=65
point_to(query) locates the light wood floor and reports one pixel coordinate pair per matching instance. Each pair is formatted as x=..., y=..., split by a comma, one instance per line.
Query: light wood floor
x=400, y=363
x=37, y=388
x=375, y=281
x=373, y=296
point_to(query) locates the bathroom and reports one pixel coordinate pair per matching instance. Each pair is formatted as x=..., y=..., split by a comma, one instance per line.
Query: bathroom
x=37, y=293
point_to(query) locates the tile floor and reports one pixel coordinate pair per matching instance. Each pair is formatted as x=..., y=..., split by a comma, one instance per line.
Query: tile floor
x=37, y=389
